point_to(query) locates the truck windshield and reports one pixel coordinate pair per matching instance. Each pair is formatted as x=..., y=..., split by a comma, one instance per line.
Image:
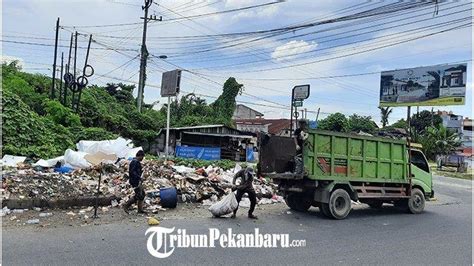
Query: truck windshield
x=418, y=159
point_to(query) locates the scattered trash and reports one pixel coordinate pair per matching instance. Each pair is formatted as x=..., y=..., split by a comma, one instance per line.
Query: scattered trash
x=153, y=221
x=18, y=211
x=45, y=214
x=12, y=161
x=5, y=211
x=33, y=221
x=71, y=214
x=288, y=212
x=77, y=177
x=114, y=203
x=37, y=209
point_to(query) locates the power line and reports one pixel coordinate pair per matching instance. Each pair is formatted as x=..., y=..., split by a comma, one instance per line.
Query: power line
x=225, y=11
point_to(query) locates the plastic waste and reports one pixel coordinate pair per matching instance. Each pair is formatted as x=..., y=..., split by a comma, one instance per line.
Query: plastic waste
x=76, y=159
x=45, y=214
x=153, y=221
x=33, y=221
x=227, y=205
x=48, y=163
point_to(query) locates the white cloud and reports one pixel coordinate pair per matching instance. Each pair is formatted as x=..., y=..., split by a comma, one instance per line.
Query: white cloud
x=8, y=59
x=292, y=49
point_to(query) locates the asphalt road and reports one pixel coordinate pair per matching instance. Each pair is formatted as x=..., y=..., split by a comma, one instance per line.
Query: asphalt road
x=439, y=236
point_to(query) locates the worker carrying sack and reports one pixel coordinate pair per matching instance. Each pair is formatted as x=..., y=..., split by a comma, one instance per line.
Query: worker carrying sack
x=225, y=206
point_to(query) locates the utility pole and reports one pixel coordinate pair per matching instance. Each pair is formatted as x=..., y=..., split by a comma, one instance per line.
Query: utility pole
x=61, y=78
x=55, y=57
x=74, y=85
x=144, y=54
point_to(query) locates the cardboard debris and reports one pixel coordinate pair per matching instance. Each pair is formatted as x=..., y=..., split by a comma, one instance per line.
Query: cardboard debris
x=100, y=157
x=12, y=161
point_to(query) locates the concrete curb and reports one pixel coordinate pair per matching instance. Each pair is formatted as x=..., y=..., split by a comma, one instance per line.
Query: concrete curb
x=57, y=203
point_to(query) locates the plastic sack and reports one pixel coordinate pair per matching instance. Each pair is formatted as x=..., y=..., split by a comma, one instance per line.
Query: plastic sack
x=225, y=206
x=119, y=147
x=76, y=159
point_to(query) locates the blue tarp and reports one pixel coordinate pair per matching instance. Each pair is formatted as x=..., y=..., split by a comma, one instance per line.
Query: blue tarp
x=202, y=153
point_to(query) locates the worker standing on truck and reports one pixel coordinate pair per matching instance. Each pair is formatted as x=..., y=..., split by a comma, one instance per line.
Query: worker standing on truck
x=245, y=186
x=135, y=173
x=299, y=136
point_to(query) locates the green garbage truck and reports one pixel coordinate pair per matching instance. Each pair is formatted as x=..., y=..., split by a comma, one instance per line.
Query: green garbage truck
x=335, y=169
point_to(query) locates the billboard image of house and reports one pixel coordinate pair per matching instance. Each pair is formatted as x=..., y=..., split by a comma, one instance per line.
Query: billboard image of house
x=424, y=86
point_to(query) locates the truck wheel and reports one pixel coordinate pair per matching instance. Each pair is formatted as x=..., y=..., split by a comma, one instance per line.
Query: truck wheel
x=416, y=204
x=339, y=204
x=298, y=202
x=325, y=210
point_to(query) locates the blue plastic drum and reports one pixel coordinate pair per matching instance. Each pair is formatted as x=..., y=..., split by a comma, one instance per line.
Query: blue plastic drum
x=169, y=197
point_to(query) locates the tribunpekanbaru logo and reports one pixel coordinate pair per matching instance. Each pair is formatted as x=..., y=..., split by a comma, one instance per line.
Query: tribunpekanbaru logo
x=162, y=241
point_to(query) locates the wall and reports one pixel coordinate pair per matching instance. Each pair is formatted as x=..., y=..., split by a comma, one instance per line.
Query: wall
x=243, y=112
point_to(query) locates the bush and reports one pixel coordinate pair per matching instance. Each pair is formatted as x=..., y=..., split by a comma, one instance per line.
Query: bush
x=28, y=134
x=60, y=114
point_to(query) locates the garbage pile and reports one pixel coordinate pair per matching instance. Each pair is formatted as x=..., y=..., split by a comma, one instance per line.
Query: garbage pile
x=202, y=185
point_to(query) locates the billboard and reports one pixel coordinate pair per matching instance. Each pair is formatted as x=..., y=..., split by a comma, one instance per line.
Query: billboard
x=202, y=153
x=424, y=86
x=170, y=82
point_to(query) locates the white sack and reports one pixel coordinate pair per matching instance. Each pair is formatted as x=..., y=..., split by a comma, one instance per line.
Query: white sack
x=225, y=206
x=117, y=146
x=76, y=159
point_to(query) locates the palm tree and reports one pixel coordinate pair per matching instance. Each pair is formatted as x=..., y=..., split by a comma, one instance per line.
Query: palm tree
x=385, y=112
x=439, y=141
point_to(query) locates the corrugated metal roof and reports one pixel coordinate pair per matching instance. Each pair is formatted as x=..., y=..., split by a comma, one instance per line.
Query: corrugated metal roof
x=219, y=135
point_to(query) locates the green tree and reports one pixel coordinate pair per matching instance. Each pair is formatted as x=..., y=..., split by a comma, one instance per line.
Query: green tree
x=402, y=123
x=358, y=123
x=424, y=120
x=224, y=106
x=384, y=113
x=334, y=122
x=439, y=141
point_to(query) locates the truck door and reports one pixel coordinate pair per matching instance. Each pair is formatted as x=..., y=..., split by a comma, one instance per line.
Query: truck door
x=421, y=171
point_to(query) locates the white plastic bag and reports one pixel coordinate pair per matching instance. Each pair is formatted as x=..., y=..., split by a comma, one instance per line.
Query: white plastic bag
x=225, y=206
x=76, y=159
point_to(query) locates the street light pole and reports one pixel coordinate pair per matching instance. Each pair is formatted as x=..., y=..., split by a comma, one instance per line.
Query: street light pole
x=167, y=128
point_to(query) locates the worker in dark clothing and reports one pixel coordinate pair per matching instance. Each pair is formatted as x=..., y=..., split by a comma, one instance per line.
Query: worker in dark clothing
x=245, y=186
x=135, y=178
x=299, y=137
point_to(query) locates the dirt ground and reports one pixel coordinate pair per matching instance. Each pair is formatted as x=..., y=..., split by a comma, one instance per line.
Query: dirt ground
x=80, y=217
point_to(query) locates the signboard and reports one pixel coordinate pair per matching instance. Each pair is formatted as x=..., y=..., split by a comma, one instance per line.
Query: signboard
x=424, y=86
x=313, y=124
x=301, y=92
x=202, y=153
x=298, y=103
x=170, y=82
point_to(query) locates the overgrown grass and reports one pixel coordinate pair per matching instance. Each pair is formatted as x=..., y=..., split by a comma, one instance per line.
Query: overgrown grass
x=451, y=172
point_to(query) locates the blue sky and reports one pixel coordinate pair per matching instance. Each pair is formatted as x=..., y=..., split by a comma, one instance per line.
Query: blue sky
x=318, y=51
